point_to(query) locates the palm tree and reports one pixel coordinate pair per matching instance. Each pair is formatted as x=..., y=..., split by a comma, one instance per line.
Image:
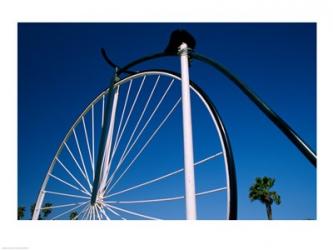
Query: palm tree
x=73, y=215
x=47, y=210
x=20, y=213
x=260, y=190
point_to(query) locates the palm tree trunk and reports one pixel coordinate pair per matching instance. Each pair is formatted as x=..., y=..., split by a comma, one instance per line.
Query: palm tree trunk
x=269, y=211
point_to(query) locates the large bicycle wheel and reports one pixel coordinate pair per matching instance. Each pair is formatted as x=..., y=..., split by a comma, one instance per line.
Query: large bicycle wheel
x=145, y=177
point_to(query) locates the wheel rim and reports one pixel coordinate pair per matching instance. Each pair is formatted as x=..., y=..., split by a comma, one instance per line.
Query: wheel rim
x=68, y=183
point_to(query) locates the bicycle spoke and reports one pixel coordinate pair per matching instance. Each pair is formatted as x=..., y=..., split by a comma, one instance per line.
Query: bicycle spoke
x=122, y=114
x=68, y=184
x=163, y=176
x=64, y=205
x=84, y=209
x=69, y=172
x=145, y=145
x=82, y=160
x=130, y=113
x=67, y=211
x=77, y=164
x=88, y=143
x=166, y=198
x=132, y=213
x=68, y=195
x=142, y=113
x=103, y=108
x=114, y=212
x=102, y=211
x=124, y=155
x=93, y=138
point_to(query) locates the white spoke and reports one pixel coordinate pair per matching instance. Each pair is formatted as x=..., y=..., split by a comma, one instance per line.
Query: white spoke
x=64, y=205
x=122, y=114
x=69, y=172
x=165, y=199
x=85, y=209
x=105, y=215
x=125, y=153
x=114, y=212
x=93, y=139
x=145, y=145
x=73, y=157
x=68, y=184
x=139, y=120
x=145, y=183
x=133, y=213
x=163, y=176
x=94, y=211
x=89, y=213
x=130, y=113
x=211, y=191
x=146, y=201
x=208, y=158
x=69, y=195
x=82, y=160
x=88, y=143
x=97, y=213
x=103, y=108
x=102, y=211
x=86, y=215
x=67, y=211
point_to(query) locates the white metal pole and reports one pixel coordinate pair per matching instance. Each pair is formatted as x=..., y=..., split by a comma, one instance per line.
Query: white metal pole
x=108, y=145
x=187, y=136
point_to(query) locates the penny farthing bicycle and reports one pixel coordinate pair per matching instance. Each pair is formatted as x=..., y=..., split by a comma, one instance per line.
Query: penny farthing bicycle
x=151, y=146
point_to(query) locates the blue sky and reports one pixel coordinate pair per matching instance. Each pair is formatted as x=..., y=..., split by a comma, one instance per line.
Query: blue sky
x=61, y=71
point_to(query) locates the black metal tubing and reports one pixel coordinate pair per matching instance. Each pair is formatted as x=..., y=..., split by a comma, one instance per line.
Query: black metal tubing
x=277, y=120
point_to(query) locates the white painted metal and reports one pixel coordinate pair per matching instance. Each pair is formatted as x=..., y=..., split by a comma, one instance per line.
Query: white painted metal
x=87, y=210
x=226, y=164
x=131, y=212
x=93, y=138
x=163, y=176
x=69, y=172
x=130, y=112
x=88, y=143
x=67, y=211
x=73, y=157
x=122, y=116
x=190, y=199
x=166, y=198
x=103, y=109
x=68, y=184
x=82, y=160
x=107, y=152
x=114, y=212
x=124, y=155
x=145, y=145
